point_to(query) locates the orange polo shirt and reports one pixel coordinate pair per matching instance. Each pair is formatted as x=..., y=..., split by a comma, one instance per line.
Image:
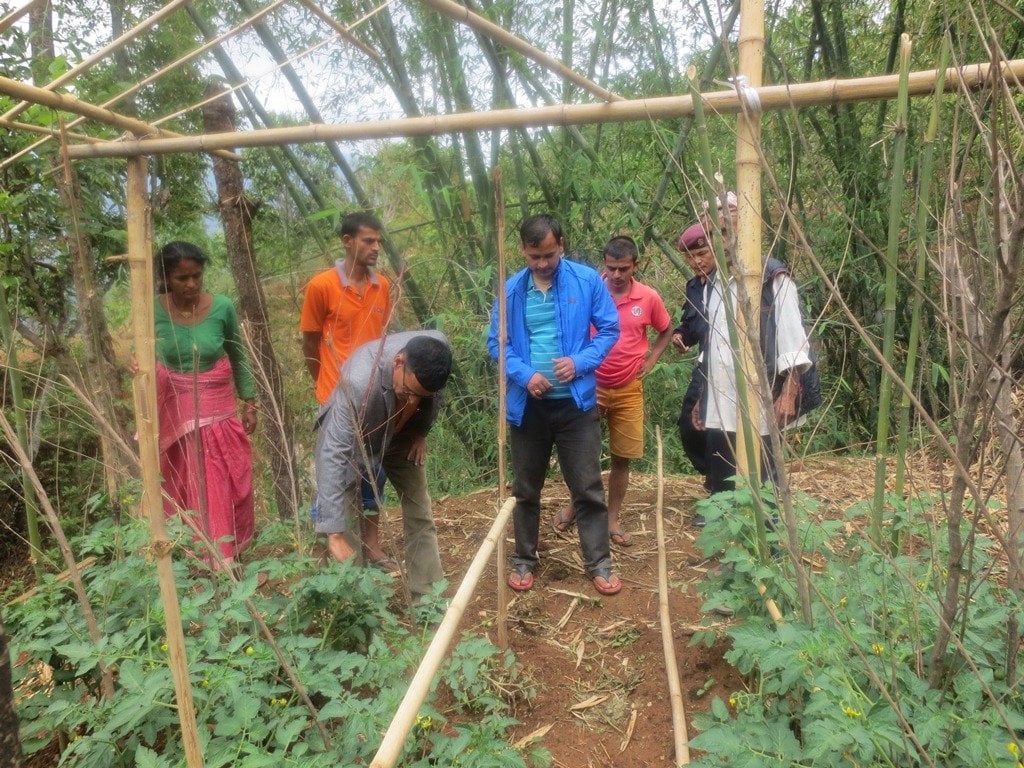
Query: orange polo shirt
x=345, y=317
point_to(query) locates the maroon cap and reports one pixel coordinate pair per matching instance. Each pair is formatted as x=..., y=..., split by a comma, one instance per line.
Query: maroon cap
x=693, y=238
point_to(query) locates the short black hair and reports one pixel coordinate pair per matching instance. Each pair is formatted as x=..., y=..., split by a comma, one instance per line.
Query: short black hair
x=353, y=221
x=622, y=247
x=171, y=255
x=430, y=360
x=535, y=228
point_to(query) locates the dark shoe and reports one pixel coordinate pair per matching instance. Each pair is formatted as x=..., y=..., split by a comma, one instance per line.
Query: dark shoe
x=606, y=582
x=699, y=521
x=521, y=578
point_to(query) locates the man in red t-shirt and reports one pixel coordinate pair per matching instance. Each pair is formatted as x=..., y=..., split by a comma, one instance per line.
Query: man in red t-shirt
x=620, y=387
x=343, y=308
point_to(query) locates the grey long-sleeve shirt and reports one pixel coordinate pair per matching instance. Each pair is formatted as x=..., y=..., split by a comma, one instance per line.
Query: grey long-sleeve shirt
x=357, y=422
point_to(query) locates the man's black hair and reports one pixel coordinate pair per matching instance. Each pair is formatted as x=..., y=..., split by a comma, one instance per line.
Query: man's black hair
x=622, y=247
x=353, y=221
x=534, y=229
x=171, y=255
x=430, y=360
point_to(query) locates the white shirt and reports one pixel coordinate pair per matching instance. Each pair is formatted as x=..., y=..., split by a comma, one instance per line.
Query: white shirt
x=792, y=350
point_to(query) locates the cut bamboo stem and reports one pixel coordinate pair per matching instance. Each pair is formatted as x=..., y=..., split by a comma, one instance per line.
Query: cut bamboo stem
x=681, y=739
x=16, y=14
x=394, y=739
x=499, y=552
x=774, y=97
x=143, y=328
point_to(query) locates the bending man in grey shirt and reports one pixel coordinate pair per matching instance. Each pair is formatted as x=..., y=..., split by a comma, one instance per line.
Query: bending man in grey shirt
x=380, y=413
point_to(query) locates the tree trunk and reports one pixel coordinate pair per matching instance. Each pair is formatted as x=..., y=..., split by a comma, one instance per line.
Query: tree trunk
x=236, y=212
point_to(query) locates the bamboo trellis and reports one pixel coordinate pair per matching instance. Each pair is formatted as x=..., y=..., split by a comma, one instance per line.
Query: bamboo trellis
x=149, y=141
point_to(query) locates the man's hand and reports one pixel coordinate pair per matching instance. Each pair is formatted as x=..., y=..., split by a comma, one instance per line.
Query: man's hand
x=677, y=342
x=784, y=406
x=565, y=369
x=418, y=450
x=695, y=419
x=538, y=386
x=249, y=418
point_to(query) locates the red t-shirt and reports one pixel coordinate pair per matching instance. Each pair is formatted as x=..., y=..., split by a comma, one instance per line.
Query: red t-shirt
x=346, y=318
x=640, y=309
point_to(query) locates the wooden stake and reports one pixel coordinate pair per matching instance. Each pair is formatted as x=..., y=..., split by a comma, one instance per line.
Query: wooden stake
x=394, y=738
x=143, y=327
x=499, y=552
x=774, y=97
x=681, y=739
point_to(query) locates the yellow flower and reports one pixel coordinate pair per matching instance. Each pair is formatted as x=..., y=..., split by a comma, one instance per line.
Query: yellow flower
x=842, y=602
x=1012, y=748
x=878, y=649
x=851, y=712
x=733, y=701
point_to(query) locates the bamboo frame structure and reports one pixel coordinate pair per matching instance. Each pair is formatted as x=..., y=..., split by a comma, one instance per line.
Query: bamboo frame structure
x=68, y=103
x=101, y=54
x=394, y=738
x=773, y=97
x=499, y=552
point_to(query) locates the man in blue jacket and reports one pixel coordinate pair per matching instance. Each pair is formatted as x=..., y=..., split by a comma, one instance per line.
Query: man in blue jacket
x=552, y=402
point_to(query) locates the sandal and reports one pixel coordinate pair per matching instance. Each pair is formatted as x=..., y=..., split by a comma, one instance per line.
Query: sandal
x=521, y=578
x=386, y=564
x=606, y=582
x=560, y=523
x=620, y=538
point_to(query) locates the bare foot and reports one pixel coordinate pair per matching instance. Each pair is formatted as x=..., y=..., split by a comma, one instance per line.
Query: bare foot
x=338, y=547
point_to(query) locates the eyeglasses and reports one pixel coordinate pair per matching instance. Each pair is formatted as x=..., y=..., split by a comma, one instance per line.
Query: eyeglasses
x=406, y=392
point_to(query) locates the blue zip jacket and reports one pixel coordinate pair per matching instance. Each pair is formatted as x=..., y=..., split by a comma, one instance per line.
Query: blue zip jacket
x=583, y=301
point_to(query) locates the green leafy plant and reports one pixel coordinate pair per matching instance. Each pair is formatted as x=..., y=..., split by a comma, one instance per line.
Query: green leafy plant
x=333, y=625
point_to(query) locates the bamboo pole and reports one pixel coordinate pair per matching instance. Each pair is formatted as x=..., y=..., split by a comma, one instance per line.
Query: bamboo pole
x=675, y=693
x=101, y=54
x=344, y=32
x=667, y=107
x=68, y=103
x=924, y=198
x=748, y=241
x=499, y=552
x=143, y=83
x=502, y=36
x=16, y=14
x=141, y=269
x=28, y=491
x=896, y=187
x=394, y=739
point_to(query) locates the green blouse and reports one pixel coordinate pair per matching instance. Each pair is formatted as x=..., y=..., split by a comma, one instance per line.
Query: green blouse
x=185, y=348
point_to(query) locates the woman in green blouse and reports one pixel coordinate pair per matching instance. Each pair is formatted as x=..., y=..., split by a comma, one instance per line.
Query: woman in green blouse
x=202, y=366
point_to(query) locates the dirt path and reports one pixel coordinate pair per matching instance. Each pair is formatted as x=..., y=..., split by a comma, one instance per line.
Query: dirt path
x=598, y=661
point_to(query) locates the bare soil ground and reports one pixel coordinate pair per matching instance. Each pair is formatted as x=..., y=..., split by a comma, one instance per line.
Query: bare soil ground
x=598, y=662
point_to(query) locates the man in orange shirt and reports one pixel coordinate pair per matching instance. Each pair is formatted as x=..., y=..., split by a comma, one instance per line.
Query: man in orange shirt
x=344, y=307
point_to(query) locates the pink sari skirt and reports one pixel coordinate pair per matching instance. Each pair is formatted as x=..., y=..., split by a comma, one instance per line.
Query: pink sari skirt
x=205, y=456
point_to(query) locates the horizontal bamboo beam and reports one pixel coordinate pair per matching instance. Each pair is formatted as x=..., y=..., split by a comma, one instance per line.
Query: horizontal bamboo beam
x=502, y=36
x=68, y=103
x=16, y=14
x=773, y=97
x=103, y=53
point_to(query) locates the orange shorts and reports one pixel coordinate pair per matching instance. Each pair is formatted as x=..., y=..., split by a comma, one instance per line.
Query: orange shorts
x=623, y=407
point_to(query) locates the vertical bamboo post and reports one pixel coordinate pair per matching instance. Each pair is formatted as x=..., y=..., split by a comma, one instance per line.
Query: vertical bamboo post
x=679, y=734
x=748, y=235
x=896, y=187
x=140, y=263
x=499, y=551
